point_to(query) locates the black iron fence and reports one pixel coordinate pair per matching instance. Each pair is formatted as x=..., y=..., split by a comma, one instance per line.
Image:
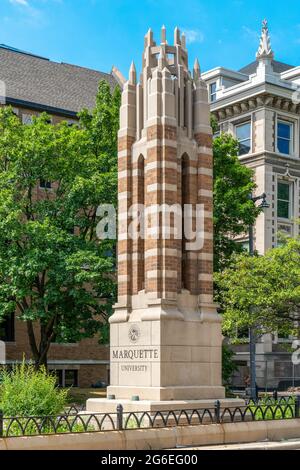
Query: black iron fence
x=77, y=421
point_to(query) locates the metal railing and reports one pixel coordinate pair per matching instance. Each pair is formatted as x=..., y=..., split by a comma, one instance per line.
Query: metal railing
x=83, y=422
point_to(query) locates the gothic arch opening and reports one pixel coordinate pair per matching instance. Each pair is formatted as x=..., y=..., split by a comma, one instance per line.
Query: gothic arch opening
x=184, y=201
x=141, y=241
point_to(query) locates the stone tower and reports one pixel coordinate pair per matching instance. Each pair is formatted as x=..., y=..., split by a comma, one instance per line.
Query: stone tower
x=165, y=332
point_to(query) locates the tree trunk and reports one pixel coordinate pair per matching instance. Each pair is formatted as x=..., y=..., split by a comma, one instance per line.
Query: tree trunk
x=40, y=354
x=45, y=342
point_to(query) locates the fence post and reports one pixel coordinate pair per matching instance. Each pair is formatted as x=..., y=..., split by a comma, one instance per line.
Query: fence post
x=297, y=407
x=120, y=417
x=217, y=412
x=1, y=423
x=275, y=395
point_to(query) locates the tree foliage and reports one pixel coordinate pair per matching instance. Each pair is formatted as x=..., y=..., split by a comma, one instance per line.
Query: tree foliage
x=228, y=364
x=233, y=210
x=262, y=291
x=53, y=270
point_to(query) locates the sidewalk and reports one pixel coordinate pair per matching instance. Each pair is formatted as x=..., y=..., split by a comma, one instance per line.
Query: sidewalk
x=284, y=445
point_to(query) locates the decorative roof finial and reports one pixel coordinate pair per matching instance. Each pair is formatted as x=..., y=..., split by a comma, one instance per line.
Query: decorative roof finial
x=265, y=49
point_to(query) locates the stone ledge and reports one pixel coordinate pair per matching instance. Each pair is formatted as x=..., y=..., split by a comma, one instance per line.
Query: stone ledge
x=161, y=438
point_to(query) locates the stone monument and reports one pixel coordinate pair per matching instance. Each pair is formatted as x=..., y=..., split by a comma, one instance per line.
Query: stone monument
x=166, y=338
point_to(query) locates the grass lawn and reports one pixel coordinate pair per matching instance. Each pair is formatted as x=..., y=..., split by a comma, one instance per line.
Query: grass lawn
x=78, y=396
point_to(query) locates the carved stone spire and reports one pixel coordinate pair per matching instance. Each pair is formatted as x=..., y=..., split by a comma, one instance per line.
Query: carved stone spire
x=177, y=36
x=197, y=70
x=132, y=74
x=163, y=35
x=183, y=41
x=265, y=49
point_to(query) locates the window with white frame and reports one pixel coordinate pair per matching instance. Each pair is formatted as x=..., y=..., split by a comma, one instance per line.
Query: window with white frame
x=243, y=135
x=244, y=245
x=284, y=137
x=284, y=200
x=213, y=91
x=44, y=184
x=27, y=119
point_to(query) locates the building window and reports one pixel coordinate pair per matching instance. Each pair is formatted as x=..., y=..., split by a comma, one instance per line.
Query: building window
x=27, y=119
x=59, y=377
x=244, y=244
x=66, y=378
x=72, y=122
x=71, y=378
x=213, y=92
x=284, y=206
x=44, y=184
x=243, y=135
x=7, y=329
x=284, y=137
x=217, y=132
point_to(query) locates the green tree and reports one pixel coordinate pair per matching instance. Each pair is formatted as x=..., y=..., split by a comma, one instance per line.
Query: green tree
x=262, y=291
x=233, y=210
x=53, y=270
x=228, y=364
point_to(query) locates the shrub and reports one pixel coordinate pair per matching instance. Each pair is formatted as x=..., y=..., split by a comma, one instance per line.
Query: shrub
x=270, y=409
x=26, y=391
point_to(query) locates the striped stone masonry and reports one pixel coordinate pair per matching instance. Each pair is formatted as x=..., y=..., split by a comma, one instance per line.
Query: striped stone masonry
x=165, y=159
x=165, y=271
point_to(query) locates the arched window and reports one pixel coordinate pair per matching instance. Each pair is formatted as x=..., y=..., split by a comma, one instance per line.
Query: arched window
x=141, y=241
x=184, y=201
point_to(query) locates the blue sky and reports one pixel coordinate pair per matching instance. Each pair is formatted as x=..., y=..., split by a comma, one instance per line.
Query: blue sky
x=102, y=33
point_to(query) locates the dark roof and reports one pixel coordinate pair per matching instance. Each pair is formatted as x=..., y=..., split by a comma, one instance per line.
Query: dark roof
x=58, y=86
x=278, y=67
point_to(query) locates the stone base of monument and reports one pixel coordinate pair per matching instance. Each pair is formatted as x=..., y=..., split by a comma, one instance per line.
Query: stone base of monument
x=166, y=355
x=167, y=352
x=158, y=414
x=167, y=393
x=98, y=405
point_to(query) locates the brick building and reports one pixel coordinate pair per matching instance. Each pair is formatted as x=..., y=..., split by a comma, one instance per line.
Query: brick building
x=31, y=85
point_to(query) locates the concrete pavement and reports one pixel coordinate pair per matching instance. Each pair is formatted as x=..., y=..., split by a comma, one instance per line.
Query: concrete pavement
x=267, y=445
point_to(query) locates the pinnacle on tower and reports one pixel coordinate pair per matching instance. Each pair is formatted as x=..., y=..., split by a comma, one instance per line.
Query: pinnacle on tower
x=183, y=41
x=132, y=74
x=197, y=70
x=149, y=37
x=265, y=49
x=163, y=35
x=177, y=36
x=162, y=60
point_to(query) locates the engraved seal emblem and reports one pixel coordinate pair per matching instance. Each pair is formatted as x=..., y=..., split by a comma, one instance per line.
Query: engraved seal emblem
x=134, y=334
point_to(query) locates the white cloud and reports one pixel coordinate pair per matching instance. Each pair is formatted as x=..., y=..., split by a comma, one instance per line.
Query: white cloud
x=193, y=35
x=23, y=3
x=28, y=13
x=251, y=33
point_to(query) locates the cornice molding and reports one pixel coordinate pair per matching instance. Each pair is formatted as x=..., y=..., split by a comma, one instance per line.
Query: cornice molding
x=273, y=159
x=257, y=102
